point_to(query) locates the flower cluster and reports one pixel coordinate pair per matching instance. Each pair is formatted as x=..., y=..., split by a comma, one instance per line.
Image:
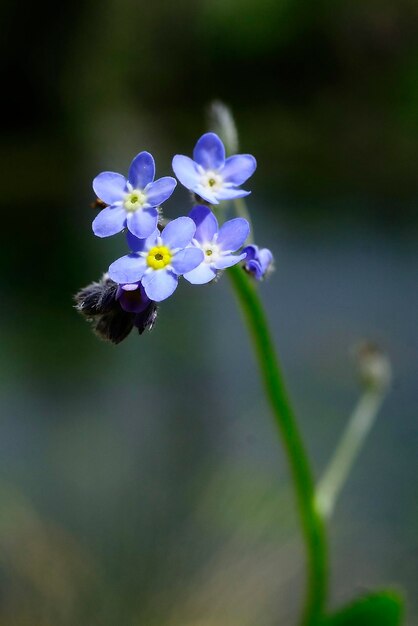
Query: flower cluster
x=192, y=246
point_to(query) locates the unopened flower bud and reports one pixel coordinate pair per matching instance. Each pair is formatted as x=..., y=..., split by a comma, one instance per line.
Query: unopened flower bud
x=374, y=366
x=114, y=310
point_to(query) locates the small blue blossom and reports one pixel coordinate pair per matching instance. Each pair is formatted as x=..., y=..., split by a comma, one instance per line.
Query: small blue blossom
x=216, y=244
x=159, y=260
x=259, y=261
x=133, y=201
x=210, y=175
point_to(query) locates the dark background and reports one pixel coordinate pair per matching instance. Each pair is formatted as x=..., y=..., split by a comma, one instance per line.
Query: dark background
x=144, y=484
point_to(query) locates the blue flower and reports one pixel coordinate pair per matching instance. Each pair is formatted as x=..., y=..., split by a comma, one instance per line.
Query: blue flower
x=132, y=202
x=217, y=244
x=159, y=260
x=210, y=175
x=259, y=261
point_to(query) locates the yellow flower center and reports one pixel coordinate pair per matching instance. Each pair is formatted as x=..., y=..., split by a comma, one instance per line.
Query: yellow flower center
x=134, y=200
x=158, y=257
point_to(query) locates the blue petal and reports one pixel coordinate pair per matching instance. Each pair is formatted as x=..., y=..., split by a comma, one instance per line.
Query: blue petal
x=133, y=300
x=186, y=260
x=143, y=222
x=142, y=170
x=209, y=152
x=228, y=193
x=202, y=274
x=206, y=223
x=254, y=268
x=251, y=252
x=186, y=171
x=179, y=232
x=228, y=260
x=232, y=234
x=126, y=287
x=140, y=245
x=109, y=221
x=159, y=284
x=238, y=168
x=207, y=195
x=128, y=269
x=109, y=187
x=160, y=191
x=266, y=259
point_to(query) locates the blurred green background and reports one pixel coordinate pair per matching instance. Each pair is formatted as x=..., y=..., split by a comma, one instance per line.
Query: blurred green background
x=143, y=484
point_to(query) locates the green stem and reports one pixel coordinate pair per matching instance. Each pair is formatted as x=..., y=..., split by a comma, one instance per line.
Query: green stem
x=349, y=447
x=311, y=522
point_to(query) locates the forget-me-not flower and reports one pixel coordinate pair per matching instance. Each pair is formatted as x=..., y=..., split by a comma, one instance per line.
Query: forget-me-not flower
x=159, y=260
x=210, y=175
x=217, y=244
x=259, y=261
x=133, y=201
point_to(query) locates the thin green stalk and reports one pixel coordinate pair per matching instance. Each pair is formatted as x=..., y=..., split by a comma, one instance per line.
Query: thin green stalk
x=349, y=447
x=311, y=522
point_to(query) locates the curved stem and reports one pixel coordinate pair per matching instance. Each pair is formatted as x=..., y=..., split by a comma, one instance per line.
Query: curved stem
x=311, y=522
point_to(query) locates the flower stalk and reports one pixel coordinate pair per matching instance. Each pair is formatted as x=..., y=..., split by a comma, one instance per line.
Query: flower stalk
x=375, y=373
x=311, y=521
